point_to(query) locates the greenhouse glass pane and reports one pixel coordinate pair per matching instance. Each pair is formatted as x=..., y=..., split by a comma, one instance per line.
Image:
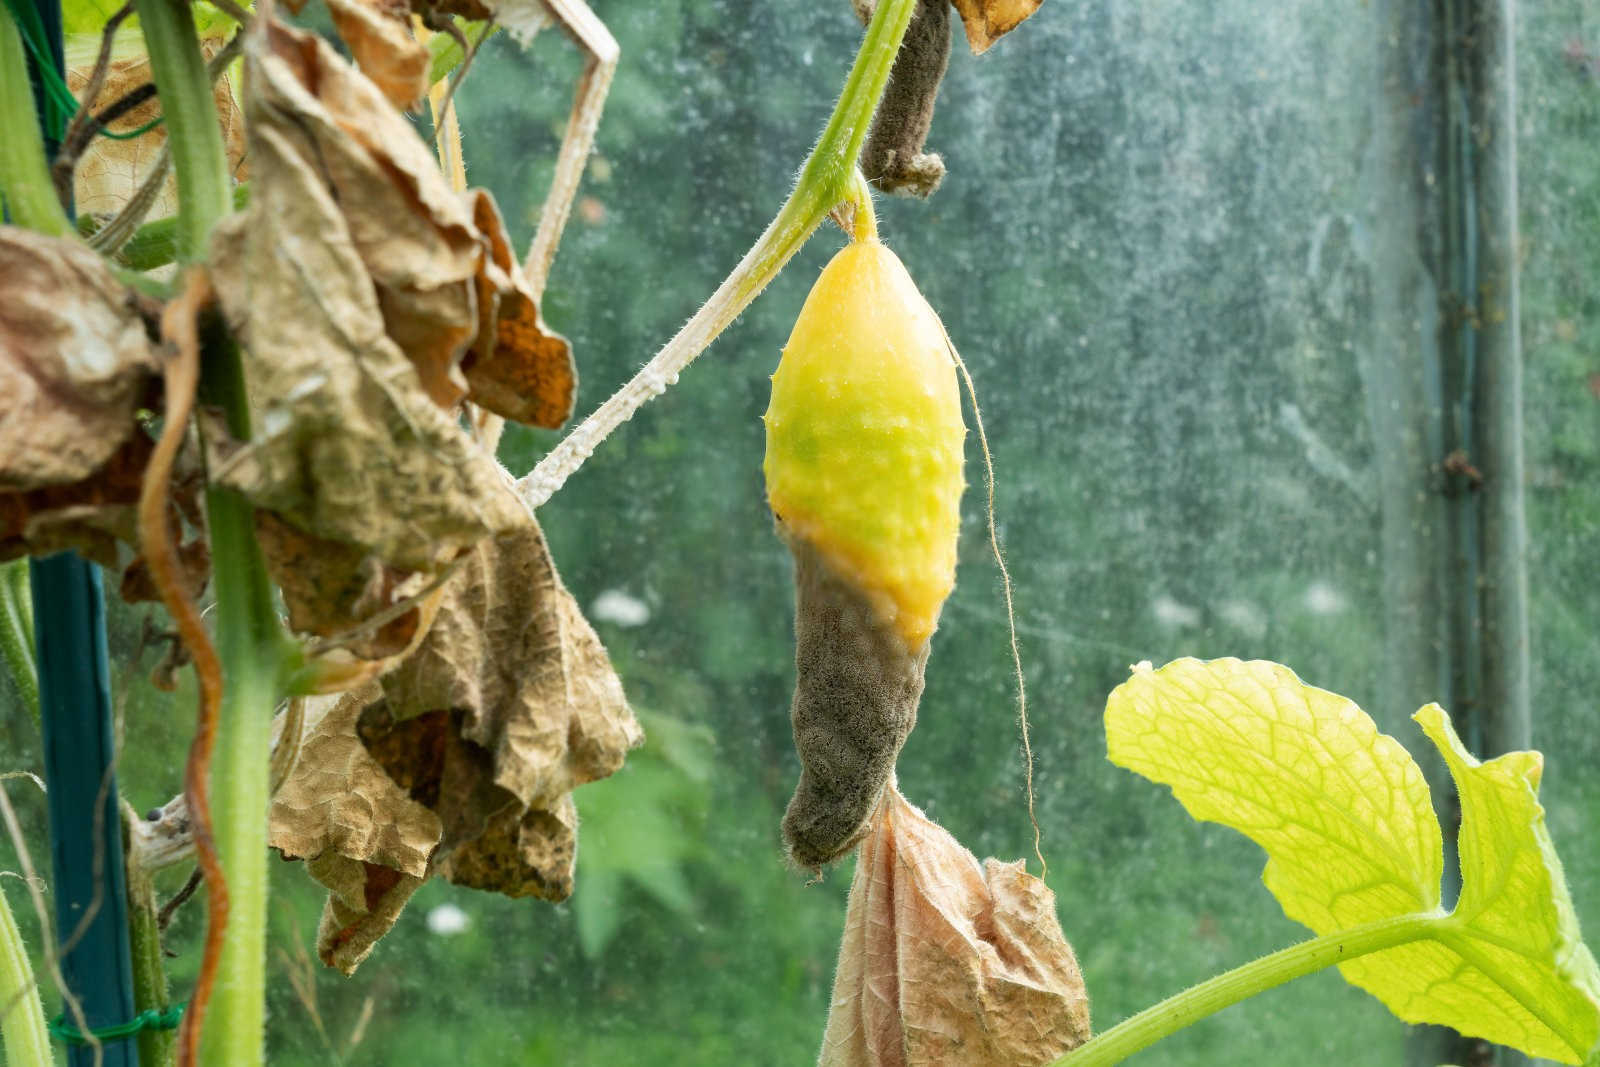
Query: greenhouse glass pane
x=1159, y=248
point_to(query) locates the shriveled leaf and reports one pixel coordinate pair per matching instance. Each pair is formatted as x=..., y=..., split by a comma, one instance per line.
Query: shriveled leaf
x=332, y=588
x=412, y=232
x=347, y=445
x=946, y=961
x=511, y=650
x=1344, y=815
x=76, y=361
x=359, y=832
x=446, y=281
x=378, y=34
x=518, y=368
x=988, y=20
x=92, y=516
x=508, y=704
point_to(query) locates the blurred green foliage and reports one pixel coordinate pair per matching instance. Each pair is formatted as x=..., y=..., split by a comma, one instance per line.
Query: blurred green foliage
x=1149, y=250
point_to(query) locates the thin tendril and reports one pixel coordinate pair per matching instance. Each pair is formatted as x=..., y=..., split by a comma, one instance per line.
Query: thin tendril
x=1011, y=613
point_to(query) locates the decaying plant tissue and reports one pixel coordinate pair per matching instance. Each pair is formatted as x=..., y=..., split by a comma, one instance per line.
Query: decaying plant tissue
x=79, y=364
x=946, y=962
x=371, y=299
x=460, y=762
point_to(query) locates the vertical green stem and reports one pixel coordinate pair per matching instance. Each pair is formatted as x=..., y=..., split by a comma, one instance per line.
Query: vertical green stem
x=27, y=1042
x=205, y=192
x=151, y=991
x=252, y=647
x=16, y=632
x=250, y=641
x=25, y=186
x=826, y=179
x=1209, y=997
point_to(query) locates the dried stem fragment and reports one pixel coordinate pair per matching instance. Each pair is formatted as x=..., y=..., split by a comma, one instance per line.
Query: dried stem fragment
x=893, y=158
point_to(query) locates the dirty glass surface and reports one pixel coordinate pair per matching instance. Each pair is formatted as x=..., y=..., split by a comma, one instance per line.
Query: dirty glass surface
x=1154, y=250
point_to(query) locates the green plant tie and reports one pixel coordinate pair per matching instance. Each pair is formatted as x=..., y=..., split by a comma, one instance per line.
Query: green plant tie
x=153, y=1019
x=60, y=104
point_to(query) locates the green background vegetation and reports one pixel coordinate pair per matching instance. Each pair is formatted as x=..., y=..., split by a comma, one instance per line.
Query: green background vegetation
x=1151, y=241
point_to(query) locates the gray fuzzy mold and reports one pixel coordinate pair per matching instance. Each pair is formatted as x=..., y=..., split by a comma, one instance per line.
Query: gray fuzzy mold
x=855, y=702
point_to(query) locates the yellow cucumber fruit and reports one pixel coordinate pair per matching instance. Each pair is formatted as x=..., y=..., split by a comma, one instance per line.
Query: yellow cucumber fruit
x=864, y=438
x=863, y=467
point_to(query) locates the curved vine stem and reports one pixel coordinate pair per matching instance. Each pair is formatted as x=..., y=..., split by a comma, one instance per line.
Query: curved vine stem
x=1211, y=996
x=827, y=178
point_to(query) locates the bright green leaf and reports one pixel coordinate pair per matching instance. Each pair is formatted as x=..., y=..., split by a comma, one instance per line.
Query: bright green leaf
x=87, y=16
x=1344, y=815
x=1341, y=809
x=1521, y=974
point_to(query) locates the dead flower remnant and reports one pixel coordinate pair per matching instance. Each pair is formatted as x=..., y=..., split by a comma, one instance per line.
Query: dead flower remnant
x=943, y=961
x=989, y=20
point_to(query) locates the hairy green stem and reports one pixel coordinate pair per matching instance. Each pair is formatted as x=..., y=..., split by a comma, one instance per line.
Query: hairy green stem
x=825, y=180
x=151, y=991
x=25, y=186
x=205, y=190
x=27, y=1042
x=252, y=647
x=1209, y=997
x=255, y=652
x=16, y=632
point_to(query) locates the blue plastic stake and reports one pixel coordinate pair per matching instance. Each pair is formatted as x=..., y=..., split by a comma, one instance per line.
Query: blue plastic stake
x=75, y=715
x=85, y=830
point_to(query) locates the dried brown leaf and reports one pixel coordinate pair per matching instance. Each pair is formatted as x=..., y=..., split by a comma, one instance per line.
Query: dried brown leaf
x=508, y=704
x=91, y=516
x=946, y=962
x=348, y=447
x=331, y=588
x=412, y=232
x=447, y=283
x=519, y=368
x=511, y=650
x=360, y=834
x=76, y=361
x=989, y=20
x=378, y=34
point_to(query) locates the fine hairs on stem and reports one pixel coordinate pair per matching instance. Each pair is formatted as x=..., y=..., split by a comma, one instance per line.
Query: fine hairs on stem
x=825, y=180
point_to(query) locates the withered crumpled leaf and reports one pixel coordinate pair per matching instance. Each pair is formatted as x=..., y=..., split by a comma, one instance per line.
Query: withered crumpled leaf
x=989, y=20
x=447, y=286
x=508, y=705
x=378, y=33
x=358, y=832
x=947, y=962
x=76, y=363
x=534, y=710
x=347, y=446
